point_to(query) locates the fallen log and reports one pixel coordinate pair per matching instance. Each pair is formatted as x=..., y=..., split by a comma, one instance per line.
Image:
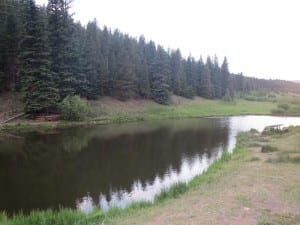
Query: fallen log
x=48, y=118
x=12, y=118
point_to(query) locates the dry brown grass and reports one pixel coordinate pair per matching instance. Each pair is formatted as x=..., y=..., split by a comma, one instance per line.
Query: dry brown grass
x=111, y=104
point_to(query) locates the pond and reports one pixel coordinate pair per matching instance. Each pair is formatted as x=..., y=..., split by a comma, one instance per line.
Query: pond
x=113, y=165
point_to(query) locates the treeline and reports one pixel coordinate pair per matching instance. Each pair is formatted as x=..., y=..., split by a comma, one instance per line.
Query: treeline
x=245, y=84
x=47, y=55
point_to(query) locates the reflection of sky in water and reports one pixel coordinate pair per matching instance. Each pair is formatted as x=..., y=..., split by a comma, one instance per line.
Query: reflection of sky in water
x=245, y=123
x=190, y=167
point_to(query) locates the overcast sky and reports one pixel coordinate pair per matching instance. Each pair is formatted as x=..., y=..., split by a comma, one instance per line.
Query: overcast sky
x=261, y=38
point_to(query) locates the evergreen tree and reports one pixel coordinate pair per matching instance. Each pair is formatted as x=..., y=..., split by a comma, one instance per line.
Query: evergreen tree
x=176, y=72
x=150, y=52
x=206, y=89
x=125, y=86
x=40, y=96
x=199, y=76
x=216, y=78
x=240, y=85
x=9, y=38
x=79, y=61
x=190, y=71
x=106, y=80
x=3, y=16
x=225, y=76
x=142, y=70
x=159, y=86
x=60, y=35
x=92, y=56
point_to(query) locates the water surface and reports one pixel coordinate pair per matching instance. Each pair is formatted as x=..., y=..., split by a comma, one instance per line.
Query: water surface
x=113, y=165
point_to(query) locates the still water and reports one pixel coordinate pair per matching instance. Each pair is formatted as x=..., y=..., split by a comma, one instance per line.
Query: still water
x=113, y=165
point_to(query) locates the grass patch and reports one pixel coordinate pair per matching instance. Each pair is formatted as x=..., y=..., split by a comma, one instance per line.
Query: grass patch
x=279, y=219
x=268, y=148
x=174, y=192
x=244, y=201
x=254, y=158
x=49, y=217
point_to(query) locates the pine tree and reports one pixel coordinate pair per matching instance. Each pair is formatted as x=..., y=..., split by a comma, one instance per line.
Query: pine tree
x=79, y=61
x=142, y=70
x=216, y=78
x=3, y=16
x=206, y=89
x=176, y=72
x=190, y=71
x=92, y=54
x=125, y=86
x=199, y=76
x=225, y=77
x=105, y=78
x=9, y=38
x=240, y=85
x=159, y=86
x=40, y=94
x=60, y=35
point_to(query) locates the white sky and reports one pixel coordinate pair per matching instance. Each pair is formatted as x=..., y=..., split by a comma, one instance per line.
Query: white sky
x=261, y=38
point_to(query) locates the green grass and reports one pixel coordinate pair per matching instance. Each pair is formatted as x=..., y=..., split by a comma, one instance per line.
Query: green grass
x=153, y=111
x=49, y=217
x=174, y=192
x=203, y=108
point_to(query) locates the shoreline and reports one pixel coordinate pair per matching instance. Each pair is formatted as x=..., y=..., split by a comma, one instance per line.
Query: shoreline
x=99, y=216
x=29, y=126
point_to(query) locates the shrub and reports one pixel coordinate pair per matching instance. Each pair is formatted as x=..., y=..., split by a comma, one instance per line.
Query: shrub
x=283, y=106
x=268, y=148
x=278, y=111
x=228, y=97
x=74, y=108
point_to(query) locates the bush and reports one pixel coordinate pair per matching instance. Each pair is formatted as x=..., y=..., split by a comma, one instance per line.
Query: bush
x=228, y=97
x=74, y=108
x=277, y=111
x=283, y=106
x=268, y=148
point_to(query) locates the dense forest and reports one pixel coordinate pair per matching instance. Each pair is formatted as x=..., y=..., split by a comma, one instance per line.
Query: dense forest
x=47, y=56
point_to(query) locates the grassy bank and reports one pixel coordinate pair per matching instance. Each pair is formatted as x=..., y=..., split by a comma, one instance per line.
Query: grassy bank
x=109, y=110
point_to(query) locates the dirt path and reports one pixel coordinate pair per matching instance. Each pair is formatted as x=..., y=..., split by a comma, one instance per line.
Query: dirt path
x=249, y=190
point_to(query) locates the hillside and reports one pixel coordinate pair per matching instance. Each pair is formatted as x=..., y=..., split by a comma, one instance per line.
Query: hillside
x=52, y=63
